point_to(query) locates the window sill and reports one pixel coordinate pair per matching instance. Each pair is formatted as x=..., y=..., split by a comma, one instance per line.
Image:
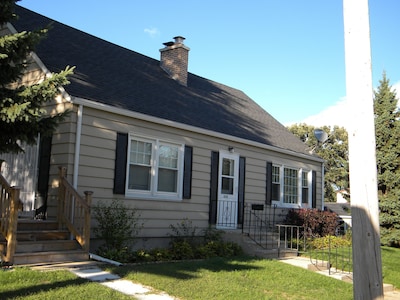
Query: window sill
x=166, y=198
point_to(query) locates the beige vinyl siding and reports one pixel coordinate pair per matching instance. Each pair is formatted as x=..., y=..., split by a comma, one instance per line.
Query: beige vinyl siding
x=62, y=154
x=97, y=160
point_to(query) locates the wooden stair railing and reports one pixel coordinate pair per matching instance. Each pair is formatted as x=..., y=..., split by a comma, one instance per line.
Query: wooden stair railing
x=9, y=200
x=74, y=210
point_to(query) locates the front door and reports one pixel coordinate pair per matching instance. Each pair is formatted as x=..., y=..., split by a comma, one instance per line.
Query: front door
x=228, y=180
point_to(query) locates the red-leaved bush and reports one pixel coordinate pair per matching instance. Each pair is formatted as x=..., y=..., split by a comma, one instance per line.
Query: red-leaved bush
x=316, y=222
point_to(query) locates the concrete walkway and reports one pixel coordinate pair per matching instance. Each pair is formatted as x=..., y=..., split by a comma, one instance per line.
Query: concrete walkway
x=90, y=271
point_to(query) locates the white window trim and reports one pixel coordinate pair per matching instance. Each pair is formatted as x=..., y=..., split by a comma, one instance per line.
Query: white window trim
x=153, y=194
x=309, y=181
x=299, y=203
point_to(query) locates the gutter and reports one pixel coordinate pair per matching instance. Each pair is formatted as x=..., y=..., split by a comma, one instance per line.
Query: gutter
x=323, y=186
x=140, y=116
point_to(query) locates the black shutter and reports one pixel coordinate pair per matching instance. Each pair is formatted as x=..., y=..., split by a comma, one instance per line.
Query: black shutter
x=268, y=186
x=213, y=187
x=44, y=164
x=43, y=177
x=121, y=157
x=187, y=173
x=314, y=189
x=242, y=175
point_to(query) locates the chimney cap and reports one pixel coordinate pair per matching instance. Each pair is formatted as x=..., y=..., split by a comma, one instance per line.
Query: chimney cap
x=179, y=39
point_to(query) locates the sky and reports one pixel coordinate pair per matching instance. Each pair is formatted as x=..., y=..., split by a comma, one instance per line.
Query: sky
x=287, y=55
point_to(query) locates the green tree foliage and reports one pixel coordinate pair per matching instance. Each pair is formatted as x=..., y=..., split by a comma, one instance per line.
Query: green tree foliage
x=387, y=129
x=22, y=116
x=335, y=153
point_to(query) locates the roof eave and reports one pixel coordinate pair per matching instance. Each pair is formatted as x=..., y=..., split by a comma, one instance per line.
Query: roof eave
x=177, y=125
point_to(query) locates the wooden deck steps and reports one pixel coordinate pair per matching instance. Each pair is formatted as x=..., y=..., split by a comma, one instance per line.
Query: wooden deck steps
x=40, y=241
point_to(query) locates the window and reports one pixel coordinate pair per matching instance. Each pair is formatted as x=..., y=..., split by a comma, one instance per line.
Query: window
x=304, y=187
x=276, y=183
x=155, y=168
x=290, y=186
x=227, y=176
x=140, y=166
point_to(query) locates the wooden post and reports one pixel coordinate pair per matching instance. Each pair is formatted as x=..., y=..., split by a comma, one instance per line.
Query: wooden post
x=88, y=198
x=367, y=265
x=13, y=223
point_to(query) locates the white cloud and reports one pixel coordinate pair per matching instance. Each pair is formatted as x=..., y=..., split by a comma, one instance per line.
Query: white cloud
x=336, y=114
x=339, y=114
x=152, y=32
x=396, y=86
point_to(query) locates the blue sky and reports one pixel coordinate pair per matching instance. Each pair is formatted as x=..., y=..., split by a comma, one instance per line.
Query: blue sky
x=287, y=55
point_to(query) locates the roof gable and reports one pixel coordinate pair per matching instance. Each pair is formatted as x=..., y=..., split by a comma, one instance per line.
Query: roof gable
x=113, y=75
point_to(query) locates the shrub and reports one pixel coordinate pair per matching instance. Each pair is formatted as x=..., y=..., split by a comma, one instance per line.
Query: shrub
x=330, y=241
x=184, y=231
x=316, y=223
x=186, y=244
x=182, y=250
x=118, y=227
x=212, y=235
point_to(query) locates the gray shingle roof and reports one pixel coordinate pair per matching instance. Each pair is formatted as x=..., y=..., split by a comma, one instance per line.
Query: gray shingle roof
x=113, y=75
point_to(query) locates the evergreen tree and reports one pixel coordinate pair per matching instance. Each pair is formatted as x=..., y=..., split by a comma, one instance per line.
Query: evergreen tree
x=335, y=153
x=387, y=129
x=22, y=116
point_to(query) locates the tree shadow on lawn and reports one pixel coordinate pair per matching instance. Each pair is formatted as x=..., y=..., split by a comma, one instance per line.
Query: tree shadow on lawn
x=185, y=270
x=41, y=288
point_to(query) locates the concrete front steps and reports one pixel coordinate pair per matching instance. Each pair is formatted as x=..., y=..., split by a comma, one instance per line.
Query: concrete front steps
x=269, y=250
x=40, y=241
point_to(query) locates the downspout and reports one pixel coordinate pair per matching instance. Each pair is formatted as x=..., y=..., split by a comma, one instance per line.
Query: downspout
x=77, y=146
x=76, y=159
x=323, y=186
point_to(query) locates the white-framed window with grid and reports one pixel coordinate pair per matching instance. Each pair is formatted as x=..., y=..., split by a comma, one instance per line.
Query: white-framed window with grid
x=155, y=168
x=291, y=186
x=276, y=183
x=305, y=186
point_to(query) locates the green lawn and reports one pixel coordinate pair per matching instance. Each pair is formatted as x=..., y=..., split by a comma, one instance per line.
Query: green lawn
x=24, y=283
x=239, y=278
x=391, y=265
x=217, y=278
x=341, y=259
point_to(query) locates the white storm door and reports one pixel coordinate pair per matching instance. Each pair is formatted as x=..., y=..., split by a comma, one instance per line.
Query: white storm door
x=21, y=170
x=228, y=180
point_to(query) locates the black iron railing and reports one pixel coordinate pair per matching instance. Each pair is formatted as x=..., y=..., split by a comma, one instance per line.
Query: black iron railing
x=333, y=252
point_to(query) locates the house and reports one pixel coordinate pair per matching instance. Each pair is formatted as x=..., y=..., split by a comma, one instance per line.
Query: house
x=342, y=208
x=170, y=143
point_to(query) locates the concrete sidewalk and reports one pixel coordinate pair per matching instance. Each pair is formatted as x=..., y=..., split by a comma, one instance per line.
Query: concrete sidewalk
x=90, y=271
x=121, y=285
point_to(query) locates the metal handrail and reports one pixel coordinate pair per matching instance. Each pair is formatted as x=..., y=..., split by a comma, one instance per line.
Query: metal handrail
x=335, y=262
x=259, y=224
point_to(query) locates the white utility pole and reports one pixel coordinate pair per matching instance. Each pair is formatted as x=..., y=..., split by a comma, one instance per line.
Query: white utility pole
x=367, y=264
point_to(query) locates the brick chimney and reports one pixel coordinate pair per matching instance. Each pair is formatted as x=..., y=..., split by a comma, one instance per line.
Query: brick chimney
x=174, y=60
